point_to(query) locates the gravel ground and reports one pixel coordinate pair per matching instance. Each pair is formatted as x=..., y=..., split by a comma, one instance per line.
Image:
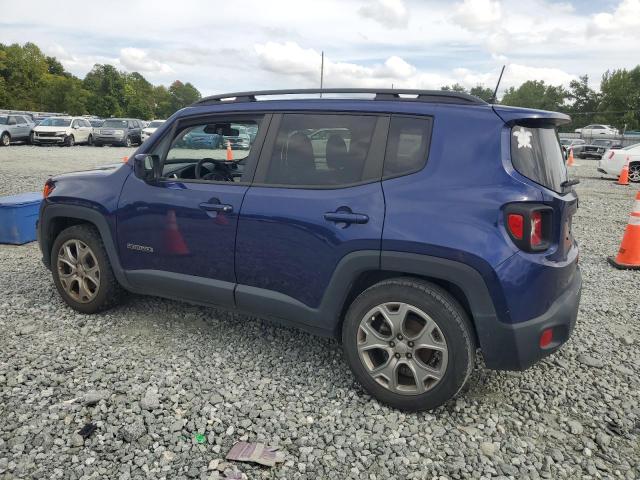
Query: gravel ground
x=152, y=373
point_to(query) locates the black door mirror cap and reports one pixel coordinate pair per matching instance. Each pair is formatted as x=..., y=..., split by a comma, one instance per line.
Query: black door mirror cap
x=147, y=167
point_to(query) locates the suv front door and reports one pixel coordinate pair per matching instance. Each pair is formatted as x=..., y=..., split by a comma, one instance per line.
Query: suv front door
x=176, y=235
x=312, y=204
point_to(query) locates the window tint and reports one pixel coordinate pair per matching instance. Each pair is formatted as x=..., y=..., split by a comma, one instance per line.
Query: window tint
x=221, y=148
x=407, y=145
x=75, y=124
x=321, y=150
x=536, y=154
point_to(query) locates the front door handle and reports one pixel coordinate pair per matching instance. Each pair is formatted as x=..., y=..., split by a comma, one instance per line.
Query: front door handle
x=346, y=217
x=217, y=207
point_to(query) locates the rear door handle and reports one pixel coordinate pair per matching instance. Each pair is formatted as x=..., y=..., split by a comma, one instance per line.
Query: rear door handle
x=346, y=217
x=217, y=207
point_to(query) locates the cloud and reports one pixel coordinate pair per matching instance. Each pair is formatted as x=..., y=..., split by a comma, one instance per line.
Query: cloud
x=477, y=14
x=625, y=20
x=139, y=60
x=389, y=13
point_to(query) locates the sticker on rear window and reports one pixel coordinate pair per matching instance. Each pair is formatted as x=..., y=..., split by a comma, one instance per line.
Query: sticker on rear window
x=524, y=137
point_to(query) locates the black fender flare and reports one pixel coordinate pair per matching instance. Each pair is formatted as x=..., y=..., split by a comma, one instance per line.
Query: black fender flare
x=50, y=211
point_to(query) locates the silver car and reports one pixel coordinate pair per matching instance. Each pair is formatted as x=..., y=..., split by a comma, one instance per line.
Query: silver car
x=14, y=128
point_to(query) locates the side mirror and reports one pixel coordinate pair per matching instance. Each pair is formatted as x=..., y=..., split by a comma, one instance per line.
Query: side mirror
x=147, y=167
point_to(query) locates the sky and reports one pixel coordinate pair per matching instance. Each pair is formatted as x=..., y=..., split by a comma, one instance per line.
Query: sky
x=255, y=45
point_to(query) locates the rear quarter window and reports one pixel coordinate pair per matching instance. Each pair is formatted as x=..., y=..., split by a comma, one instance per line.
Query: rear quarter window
x=536, y=154
x=407, y=145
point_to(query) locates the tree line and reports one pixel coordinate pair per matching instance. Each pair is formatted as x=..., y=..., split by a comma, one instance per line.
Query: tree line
x=33, y=81
x=617, y=103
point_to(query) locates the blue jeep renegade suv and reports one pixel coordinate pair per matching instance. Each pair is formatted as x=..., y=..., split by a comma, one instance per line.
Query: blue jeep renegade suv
x=416, y=226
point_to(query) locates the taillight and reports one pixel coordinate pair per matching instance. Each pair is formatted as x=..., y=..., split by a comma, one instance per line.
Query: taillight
x=48, y=188
x=529, y=225
x=515, y=223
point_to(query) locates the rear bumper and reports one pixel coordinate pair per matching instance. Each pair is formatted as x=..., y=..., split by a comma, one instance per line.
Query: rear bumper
x=517, y=346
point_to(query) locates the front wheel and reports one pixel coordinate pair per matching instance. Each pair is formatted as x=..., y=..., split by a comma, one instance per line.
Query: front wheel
x=90, y=140
x=409, y=343
x=127, y=142
x=70, y=141
x=81, y=270
x=634, y=172
x=5, y=139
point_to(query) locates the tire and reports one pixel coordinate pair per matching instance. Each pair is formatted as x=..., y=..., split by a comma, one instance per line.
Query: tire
x=127, y=142
x=30, y=139
x=446, y=327
x=5, y=139
x=90, y=140
x=94, y=296
x=634, y=172
x=70, y=141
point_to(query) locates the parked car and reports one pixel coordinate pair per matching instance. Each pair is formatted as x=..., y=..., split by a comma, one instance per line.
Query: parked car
x=119, y=131
x=613, y=161
x=152, y=127
x=65, y=131
x=413, y=268
x=240, y=139
x=595, y=149
x=597, y=129
x=567, y=143
x=196, y=137
x=14, y=128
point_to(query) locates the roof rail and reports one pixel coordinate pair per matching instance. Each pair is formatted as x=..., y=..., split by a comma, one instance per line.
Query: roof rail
x=435, y=96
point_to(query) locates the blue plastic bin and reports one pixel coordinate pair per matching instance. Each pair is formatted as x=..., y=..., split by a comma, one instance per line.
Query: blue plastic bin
x=18, y=217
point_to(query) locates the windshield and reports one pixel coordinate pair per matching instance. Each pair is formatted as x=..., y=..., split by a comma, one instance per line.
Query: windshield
x=115, y=123
x=55, y=122
x=155, y=124
x=536, y=154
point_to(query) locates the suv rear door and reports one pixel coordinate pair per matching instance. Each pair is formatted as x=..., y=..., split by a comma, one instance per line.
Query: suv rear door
x=311, y=204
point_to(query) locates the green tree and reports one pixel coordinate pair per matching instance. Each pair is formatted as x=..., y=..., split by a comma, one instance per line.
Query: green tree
x=536, y=94
x=22, y=68
x=63, y=94
x=584, y=101
x=482, y=92
x=620, y=99
x=161, y=102
x=106, y=88
x=456, y=87
x=138, y=96
x=182, y=95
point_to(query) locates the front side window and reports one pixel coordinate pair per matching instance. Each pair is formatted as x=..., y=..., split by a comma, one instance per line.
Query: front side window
x=322, y=150
x=215, y=151
x=407, y=145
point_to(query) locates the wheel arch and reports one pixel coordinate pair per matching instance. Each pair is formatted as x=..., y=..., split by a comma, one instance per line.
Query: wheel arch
x=54, y=218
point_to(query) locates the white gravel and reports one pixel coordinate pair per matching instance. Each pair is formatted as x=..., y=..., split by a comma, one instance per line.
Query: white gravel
x=153, y=373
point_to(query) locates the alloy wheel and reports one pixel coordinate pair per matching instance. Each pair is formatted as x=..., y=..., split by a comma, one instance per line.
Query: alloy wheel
x=634, y=172
x=5, y=140
x=402, y=348
x=78, y=271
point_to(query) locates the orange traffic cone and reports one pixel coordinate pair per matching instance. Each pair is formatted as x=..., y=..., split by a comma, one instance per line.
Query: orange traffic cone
x=229, y=152
x=570, y=159
x=623, y=179
x=125, y=159
x=173, y=241
x=629, y=254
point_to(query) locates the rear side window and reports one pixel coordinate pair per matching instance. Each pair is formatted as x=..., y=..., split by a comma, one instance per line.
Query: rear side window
x=407, y=145
x=322, y=150
x=536, y=154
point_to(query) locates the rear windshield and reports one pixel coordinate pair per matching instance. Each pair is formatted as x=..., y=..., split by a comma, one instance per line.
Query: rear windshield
x=536, y=154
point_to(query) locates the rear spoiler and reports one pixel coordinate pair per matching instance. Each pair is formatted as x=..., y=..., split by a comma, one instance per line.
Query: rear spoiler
x=528, y=117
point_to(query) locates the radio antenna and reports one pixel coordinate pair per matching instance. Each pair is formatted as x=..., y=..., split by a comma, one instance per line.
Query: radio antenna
x=494, y=97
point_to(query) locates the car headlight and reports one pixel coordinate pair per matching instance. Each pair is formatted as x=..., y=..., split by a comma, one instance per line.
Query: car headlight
x=61, y=134
x=119, y=132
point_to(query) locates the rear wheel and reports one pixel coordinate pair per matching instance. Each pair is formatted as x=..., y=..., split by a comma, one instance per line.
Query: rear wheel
x=409, y=343
x=31, y=137
x=634, y=172
x=90, y=140
x=5, y=139
x=81, y=270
